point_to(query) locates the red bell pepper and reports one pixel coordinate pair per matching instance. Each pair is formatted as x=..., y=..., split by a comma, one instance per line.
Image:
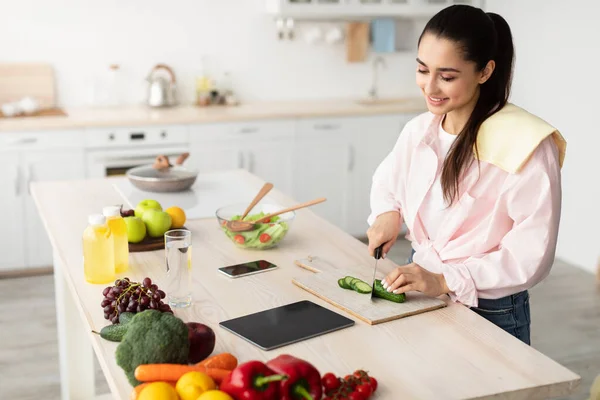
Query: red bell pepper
x=252, y=380
x=303, y=379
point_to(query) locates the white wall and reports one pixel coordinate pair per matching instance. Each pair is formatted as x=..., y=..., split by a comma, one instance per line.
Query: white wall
x=556, y=77
x=82, y=37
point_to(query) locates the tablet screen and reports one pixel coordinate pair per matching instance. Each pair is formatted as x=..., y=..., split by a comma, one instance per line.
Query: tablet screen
x=286, y=324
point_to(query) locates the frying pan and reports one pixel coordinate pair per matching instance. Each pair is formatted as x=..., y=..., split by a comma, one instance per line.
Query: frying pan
x=162, y=176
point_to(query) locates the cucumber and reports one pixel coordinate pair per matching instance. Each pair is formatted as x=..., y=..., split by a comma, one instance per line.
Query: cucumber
x=362, y=287
x=342, y=283
x=125, y=317
x=384, y=294
x=114, y=333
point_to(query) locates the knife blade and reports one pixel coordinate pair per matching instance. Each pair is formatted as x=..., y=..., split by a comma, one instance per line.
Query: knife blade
x=377, y=257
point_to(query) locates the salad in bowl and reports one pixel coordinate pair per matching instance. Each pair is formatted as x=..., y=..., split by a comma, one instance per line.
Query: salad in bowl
x=264, y=235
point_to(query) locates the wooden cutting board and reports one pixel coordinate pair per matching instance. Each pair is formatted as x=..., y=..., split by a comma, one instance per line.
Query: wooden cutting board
x=149, y=244
x=357, y=41
x=323, y=284
x=18, y=80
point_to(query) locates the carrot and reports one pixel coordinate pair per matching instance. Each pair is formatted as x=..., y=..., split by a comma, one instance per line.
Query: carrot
x=222, y=361
x=138, y=389
x=172, y=372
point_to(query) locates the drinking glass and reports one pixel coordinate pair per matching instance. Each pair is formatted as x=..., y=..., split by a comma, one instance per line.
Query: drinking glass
x=178, y=254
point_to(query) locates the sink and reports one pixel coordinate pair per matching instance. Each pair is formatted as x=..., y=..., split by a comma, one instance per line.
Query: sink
x=381, y=102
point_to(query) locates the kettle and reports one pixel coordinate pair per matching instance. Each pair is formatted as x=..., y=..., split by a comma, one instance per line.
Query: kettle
x=162, y=92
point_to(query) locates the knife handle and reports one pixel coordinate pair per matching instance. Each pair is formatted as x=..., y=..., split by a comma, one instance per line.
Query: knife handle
x=378, y=252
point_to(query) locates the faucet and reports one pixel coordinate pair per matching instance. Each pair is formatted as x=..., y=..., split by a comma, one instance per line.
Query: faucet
x=373, y=92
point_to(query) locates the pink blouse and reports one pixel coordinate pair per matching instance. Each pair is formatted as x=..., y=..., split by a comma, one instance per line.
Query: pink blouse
x=498, y=238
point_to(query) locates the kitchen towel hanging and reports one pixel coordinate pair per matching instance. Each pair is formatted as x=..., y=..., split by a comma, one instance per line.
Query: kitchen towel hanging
x=383, y=35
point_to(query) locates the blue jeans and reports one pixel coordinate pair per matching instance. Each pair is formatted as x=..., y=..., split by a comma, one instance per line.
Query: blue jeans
x=510, y=313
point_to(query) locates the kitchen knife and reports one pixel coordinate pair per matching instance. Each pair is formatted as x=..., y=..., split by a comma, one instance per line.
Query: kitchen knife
x=377, y=257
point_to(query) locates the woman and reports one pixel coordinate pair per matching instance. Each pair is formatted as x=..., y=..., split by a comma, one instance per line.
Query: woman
x=476, y=179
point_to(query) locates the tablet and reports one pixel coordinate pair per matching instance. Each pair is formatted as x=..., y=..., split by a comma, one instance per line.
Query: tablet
x=286, y=324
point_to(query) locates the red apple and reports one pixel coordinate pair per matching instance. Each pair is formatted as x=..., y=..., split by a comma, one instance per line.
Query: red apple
x=202, y=341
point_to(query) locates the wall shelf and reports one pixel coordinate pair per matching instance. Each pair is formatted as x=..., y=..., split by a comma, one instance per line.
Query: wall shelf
x=359, y=9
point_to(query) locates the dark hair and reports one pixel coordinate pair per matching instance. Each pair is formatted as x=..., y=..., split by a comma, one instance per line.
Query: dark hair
x=481, y=37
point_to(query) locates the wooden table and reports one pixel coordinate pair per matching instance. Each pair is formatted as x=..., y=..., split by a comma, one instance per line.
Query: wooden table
x=447, y=353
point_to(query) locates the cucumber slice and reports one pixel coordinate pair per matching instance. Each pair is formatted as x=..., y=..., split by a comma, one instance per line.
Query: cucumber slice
x=384, y=294
x=362, y=287
x=348, y=280
x=353, y=282
x=342, y=283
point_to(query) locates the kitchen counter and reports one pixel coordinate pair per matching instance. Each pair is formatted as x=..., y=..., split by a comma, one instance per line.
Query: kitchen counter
x=446, y=353
x=188, y=114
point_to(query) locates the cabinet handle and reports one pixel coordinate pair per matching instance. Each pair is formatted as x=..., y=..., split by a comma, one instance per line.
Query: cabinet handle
x=351, y=157
x=17, y=180
x=29, y=178
x=251, y=162
x=326, y=127
x=241, y=159
x=27, y=140
x=248, y=130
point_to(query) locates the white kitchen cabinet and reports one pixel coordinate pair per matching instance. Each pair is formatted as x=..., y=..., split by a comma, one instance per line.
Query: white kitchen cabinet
x=272, y=162
x=340, y=9
x=27, y=157
x=216, y=157
x=336, y=159
x=263, y=148
x=371, y=141
x=12, y=228
x=320, y=165
x=45, y=166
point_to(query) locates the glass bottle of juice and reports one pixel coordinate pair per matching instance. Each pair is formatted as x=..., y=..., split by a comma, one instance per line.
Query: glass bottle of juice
x=117, y=226
x=98, y=251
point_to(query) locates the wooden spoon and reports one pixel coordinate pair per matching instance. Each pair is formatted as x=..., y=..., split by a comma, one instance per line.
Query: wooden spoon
x=241, y=226
x=231, y=225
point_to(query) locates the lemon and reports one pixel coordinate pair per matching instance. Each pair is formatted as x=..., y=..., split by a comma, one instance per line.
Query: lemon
x=178, y=217
x=158, y=390
x=214, y=395
x=192, y=384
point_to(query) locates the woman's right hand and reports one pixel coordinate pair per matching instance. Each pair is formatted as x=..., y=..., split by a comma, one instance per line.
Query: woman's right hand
x=385, y=229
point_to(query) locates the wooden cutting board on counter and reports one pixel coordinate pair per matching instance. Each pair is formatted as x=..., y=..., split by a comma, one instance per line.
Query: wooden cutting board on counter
x=18, y=80
x=323, y=284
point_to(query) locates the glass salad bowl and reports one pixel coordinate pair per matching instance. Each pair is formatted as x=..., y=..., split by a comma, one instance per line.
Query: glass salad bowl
x=264, y=235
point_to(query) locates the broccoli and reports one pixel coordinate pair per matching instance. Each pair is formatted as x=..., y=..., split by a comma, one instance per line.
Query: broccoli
x=152, y=337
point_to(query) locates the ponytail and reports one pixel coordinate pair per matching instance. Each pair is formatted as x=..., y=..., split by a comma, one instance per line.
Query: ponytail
x=482, y=37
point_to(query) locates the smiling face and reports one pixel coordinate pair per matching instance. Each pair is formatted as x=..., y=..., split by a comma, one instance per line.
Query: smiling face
x=448, y=82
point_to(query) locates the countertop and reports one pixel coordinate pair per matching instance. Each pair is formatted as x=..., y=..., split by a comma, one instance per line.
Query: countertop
x=138, y=115
x=450, y=352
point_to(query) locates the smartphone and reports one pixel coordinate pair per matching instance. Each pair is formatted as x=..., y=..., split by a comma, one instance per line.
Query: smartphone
x=248, y=268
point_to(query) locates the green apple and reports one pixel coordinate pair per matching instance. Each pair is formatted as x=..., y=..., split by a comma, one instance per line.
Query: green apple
x=146, y=205
x=157, y=222
x=136, y=229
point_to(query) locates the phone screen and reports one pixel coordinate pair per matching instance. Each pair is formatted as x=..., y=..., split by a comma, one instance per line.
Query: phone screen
x=247, y=268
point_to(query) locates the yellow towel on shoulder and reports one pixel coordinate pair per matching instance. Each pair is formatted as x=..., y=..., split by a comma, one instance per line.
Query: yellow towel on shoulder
x=509, y=137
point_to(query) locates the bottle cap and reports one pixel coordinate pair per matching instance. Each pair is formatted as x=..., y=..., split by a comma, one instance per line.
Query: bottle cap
x=111, y=211
x=96, y=219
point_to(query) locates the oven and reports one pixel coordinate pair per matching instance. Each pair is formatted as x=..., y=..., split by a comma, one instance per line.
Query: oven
x=112, y=151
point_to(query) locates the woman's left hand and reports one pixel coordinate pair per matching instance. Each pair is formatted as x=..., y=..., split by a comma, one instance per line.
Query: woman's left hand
x=413, y=277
